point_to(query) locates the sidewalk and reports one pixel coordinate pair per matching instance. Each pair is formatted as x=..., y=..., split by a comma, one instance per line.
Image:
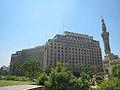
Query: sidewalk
x=22, y=87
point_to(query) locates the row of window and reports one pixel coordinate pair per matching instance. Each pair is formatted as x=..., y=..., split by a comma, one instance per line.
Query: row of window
x=77, y=52
x=82, y=67
x=80, y=43
x=74, y=48
x=80, y=55
x=86, y=61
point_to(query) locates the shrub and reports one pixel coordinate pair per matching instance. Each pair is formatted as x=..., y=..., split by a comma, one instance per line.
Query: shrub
x=1, y=77
x=16, y=78
x=41, y=79
x=60, y=78
x=23, y=78
x=112, y=84
x=9, y=77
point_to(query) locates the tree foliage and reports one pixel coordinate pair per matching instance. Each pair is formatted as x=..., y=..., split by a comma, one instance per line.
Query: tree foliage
x=61, y=79
x=42, y=78
x=3, y=72
x=112, y=84
x=116, y=71
x=31, y=68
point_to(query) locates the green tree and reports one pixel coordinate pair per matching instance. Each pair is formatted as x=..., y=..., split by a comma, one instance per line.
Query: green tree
x=31, y=68
x=85, y=81
x=3, y=72
x=116, y=71
x=60, y=78
x=42, y=78
x=112, y=84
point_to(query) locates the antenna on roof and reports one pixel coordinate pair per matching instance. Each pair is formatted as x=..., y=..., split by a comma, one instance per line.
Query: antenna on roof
x=63, y=27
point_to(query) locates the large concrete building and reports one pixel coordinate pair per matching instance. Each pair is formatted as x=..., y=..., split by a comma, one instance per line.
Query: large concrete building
x=80, y=51
x=20, y=57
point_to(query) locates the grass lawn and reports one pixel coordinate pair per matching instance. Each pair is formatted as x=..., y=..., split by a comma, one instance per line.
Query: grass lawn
x=9, y=83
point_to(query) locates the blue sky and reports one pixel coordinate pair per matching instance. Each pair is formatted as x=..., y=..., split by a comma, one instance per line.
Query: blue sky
x=29, y=23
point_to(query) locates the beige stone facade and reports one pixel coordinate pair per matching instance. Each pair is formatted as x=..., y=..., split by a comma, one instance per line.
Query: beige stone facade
x=81, y=52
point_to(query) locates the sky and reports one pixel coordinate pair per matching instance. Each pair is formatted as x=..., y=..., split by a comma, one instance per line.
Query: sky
x=30, y=23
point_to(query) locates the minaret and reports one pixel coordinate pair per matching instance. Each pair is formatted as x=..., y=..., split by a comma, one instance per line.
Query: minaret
x=105, y=36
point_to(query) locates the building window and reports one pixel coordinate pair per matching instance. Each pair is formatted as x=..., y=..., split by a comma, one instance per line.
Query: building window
x=51, y=54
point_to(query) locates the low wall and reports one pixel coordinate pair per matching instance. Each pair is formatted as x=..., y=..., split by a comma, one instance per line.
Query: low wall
x=37, y=88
